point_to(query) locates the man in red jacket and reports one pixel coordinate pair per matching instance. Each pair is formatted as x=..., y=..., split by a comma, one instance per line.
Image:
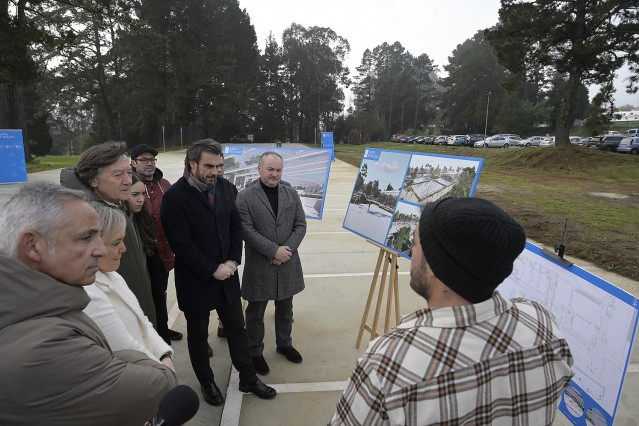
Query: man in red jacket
x=143, y=163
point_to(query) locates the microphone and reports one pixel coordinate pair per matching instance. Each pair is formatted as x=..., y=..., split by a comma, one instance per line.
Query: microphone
x=177, y=407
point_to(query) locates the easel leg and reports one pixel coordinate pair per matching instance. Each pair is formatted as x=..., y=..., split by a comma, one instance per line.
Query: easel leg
x=380, y=296
x=392, y=288
x=362, y=327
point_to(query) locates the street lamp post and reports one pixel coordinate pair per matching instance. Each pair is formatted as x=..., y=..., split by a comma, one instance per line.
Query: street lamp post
x=487, y=104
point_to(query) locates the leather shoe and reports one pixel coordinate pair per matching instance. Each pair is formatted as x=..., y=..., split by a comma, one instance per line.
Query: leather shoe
x=221, y=332
x=209, y=349
x=259, y=389
x=261, y=367
x=175, y=335
x=212, y=394
x=291, y=354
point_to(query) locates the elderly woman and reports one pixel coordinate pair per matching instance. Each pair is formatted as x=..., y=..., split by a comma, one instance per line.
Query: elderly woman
x=113, y=305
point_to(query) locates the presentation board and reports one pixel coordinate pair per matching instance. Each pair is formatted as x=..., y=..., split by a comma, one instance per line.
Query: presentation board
x=391, y=186
x=12, y=165
x=305, y=169
x=597, y=319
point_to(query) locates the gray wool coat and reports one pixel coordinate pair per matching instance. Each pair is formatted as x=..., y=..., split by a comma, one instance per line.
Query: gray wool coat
x=263, y=234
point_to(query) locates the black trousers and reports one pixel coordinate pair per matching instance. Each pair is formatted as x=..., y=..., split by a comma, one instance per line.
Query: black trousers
x=197, y=332
x=159, y=283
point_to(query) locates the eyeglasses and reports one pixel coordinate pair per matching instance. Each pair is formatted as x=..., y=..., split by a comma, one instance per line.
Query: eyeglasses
x=146, y=160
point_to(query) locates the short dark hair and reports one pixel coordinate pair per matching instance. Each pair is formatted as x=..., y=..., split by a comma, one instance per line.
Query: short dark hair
x=95, y=158
x=194, y=151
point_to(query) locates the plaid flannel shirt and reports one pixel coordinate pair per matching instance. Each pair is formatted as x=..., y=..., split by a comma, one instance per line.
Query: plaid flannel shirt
x=495, y=362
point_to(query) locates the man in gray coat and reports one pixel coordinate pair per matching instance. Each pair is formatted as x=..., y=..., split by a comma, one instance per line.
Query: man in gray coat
x=274, y=227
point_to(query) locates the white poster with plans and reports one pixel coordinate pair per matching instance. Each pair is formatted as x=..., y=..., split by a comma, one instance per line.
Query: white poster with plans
x=392, y=186
x=305, y=169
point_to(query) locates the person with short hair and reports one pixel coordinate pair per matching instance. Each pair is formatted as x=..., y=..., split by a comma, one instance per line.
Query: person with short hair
x=144, y=163
x=274, y=225
x=113, y=305
x=471, y=357
x=204, y=229
x=104, y=173
x=57, y=367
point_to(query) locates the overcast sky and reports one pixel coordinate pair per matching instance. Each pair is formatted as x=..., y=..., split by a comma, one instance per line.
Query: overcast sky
x=434, y=27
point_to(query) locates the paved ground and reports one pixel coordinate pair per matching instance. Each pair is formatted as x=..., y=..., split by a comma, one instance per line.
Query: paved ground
x=338, y=267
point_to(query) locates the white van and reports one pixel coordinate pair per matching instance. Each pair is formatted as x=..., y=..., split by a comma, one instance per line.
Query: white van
x=631, y=132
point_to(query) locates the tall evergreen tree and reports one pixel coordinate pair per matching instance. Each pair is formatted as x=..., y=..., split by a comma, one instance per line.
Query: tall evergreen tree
x=586, y=40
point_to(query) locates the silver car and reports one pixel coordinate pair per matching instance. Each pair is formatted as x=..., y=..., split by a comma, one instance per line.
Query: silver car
x=531, y=141
x=502, y=141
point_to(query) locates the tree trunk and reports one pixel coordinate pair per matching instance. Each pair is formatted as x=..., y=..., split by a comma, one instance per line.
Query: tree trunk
x=108, y=113
x=17, y=119
x=564, y=123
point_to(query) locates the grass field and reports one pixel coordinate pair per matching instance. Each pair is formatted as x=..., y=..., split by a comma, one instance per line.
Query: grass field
x=597, y=191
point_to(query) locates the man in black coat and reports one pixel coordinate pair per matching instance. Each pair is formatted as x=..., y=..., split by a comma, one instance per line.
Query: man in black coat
x=204, y=230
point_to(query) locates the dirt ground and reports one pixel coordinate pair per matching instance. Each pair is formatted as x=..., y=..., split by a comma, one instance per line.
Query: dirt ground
x=614, y=248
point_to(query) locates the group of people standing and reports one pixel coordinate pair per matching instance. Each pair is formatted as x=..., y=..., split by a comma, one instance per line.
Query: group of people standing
x=103, y=356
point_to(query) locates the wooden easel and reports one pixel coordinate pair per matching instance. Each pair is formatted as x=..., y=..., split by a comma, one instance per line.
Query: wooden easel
x=392, y=292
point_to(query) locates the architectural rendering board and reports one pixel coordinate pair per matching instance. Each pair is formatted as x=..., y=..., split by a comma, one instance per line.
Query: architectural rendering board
x=392, y=186
x=598, y=321
x=306, y=170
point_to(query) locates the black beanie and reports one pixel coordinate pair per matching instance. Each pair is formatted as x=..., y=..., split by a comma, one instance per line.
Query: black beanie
x=470, y=244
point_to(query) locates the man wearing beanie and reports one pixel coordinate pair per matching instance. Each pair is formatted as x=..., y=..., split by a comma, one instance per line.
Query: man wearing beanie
x=471, y=357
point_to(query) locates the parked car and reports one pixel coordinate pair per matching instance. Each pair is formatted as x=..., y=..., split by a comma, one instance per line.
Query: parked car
x=242, y=138
x=629, y=145
x=631, y=132
x=440, y=140
x=410, y=139
x=610, y=143
x=612, y=133
x=421, y=139
x=502, y=141
x=531, y=141
x=549, y=141
x=595, y=142
x=480, y=144
x=401, y=138
x=471, y=139
x=585, y=142
x=575, y=140
x=456, y=140
x=394, y=137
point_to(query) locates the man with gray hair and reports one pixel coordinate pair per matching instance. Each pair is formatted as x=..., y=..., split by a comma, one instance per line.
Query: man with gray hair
x=57, y=367
x=104, y=174
x=204, y=230
x=274, y=226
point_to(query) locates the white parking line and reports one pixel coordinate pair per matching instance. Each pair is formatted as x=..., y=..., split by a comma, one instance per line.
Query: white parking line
x=348, y=274
x=633, y=368
x=233, y=405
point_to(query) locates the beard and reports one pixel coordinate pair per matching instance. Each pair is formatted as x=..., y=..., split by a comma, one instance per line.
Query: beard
x=146, y=174
x=419, y=281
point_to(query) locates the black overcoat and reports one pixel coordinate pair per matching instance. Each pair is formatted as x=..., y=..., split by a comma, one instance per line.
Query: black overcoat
x=202, y=237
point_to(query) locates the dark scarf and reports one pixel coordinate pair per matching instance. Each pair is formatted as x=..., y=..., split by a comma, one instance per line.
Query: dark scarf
x=200, y=186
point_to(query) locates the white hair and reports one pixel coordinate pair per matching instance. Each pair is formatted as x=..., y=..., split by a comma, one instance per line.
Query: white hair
x=38, y=207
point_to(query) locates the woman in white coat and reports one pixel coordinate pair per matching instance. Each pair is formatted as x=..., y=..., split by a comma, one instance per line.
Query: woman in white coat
x=113, y=306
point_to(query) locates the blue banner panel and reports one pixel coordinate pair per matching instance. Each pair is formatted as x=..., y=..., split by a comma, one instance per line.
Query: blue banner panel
x=327, y=143
x=12, y=166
